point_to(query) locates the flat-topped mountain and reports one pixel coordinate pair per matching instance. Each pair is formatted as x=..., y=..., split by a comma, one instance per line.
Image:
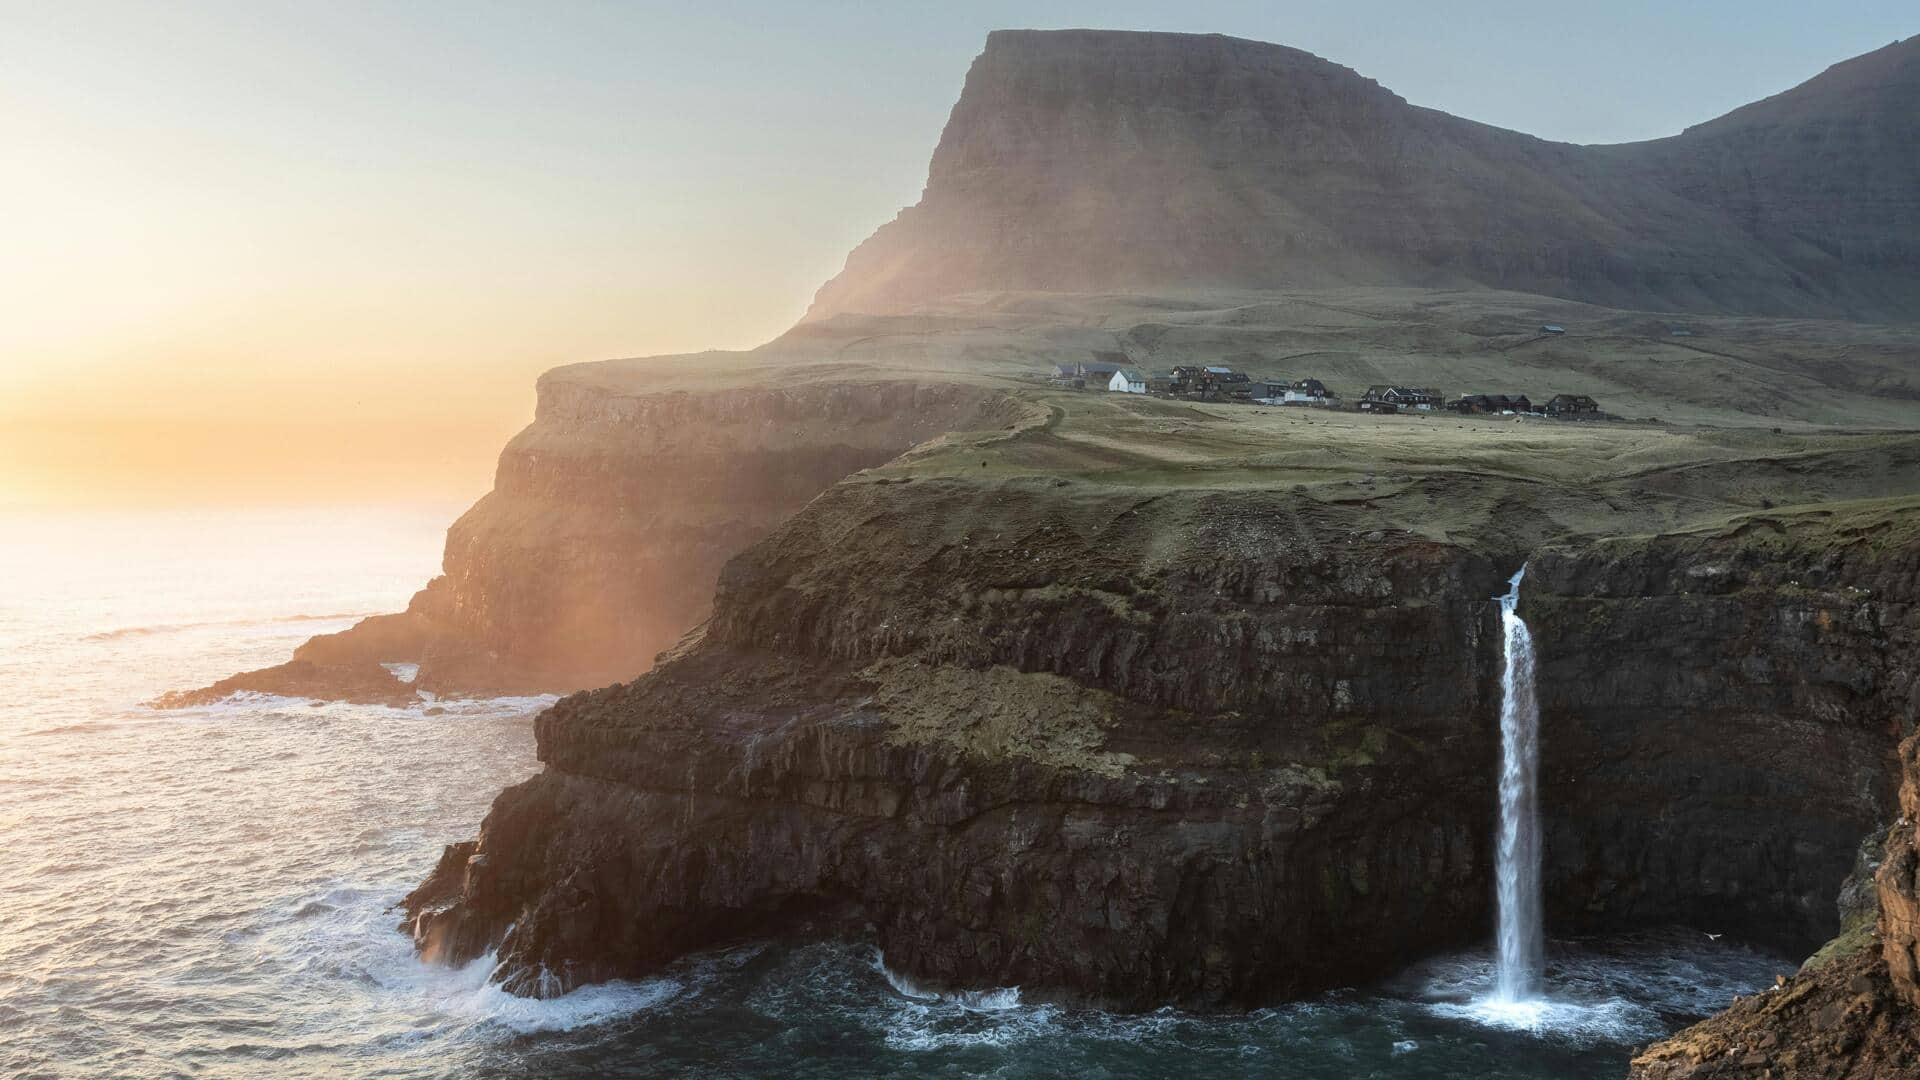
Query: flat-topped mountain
x=1087, y=160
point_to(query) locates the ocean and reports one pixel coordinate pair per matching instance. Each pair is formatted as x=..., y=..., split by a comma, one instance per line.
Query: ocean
x=210, y=892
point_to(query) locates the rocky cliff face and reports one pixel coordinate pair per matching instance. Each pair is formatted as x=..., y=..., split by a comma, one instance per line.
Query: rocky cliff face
x=995, y=724
x=612, y=514
x=1189, y=746
x=608, y=523
x=1094, y=160
x=1853, y=1009
x=1683, y=676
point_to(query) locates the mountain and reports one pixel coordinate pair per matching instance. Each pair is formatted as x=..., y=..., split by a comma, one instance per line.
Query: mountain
x=1084, y=160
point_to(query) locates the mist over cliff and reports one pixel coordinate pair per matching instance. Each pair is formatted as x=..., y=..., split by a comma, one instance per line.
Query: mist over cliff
x=1084, y=160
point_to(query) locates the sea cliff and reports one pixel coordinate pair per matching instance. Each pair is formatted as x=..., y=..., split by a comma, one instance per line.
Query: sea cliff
x=1199, y=746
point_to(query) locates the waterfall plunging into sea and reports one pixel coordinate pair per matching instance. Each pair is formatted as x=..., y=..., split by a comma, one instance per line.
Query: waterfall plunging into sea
x=1518, y=869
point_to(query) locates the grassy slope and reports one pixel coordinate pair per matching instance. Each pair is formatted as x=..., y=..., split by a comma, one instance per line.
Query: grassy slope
x=1751, y=413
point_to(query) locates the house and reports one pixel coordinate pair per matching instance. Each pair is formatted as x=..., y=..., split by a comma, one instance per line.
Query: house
x=1186, y=380
x=1553, y=328
x=1573, y=407
x=1234, y=385
x=1378, y=405
x=1401, y=397
x=1306, y=392
x=1128, y=381
x=1160, y=382
x=1493, y=404
x=1067, y=375
x=1213, y=383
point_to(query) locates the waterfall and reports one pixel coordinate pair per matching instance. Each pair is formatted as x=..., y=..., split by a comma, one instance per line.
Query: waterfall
x=1520, y=934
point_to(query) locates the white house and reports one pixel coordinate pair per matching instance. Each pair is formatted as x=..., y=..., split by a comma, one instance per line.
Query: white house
x=1128, y=381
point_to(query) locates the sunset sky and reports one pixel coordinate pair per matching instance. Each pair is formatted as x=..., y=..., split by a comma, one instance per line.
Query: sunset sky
x=317, y=252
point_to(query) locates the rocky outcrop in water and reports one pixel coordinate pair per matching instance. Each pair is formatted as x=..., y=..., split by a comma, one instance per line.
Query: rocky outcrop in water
x=1086, y=160
x=1190, y=746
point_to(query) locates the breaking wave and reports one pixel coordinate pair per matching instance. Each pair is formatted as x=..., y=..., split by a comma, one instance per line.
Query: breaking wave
x=178, y=627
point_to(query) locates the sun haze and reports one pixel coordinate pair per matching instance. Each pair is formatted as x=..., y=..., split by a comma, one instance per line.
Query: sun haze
x=270, y=252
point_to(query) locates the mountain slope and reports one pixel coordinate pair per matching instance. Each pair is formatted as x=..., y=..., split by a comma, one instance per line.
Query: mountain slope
x=1091, y=160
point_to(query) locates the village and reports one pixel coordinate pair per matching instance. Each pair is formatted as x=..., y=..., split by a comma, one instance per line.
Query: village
x=1196, y=382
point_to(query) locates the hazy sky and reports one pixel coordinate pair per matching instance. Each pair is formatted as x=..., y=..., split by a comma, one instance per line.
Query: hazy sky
x=306, y=251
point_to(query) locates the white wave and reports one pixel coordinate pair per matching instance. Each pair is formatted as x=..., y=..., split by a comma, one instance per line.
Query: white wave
x=406, y=673
x=346, y=934
x=178, y=627
x=941, y=1020
x=252, y=703
x=1610, y=1020
x=469, y=995
x=1591, y=997
x=1000, y=998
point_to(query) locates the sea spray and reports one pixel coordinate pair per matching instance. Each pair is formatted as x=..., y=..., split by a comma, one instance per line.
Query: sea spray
x=1520, y=933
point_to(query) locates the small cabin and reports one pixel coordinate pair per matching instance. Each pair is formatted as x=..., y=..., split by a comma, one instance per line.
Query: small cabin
x=1553, y=328
x=1128, y=381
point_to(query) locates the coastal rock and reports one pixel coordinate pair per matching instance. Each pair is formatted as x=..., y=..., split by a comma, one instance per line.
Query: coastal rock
x=1177, y=749
x=1850, y=1012
x=358, y=682
x=1089, y=775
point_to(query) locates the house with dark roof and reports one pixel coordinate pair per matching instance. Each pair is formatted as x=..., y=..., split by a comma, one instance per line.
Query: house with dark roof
x=1400, y=397
x=1491, y=404
x=1307, y=392
x=1572, y=407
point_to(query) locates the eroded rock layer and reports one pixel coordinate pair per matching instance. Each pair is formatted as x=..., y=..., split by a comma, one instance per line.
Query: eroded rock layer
x=1852, y=1012
x=1196, y=746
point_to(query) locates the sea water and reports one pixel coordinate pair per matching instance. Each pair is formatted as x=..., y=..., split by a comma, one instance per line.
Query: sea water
x=211, y=892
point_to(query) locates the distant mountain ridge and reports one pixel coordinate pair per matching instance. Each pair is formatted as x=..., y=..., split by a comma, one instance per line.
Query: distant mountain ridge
x=1084, y=160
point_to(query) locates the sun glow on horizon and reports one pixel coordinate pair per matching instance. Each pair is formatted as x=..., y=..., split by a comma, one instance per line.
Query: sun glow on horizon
x=261, y=250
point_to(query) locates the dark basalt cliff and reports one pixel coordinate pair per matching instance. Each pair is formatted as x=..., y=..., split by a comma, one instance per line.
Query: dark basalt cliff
x=1086, y=160
x=1194, y=746
x=1693, y=683
x=1853, y=1010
